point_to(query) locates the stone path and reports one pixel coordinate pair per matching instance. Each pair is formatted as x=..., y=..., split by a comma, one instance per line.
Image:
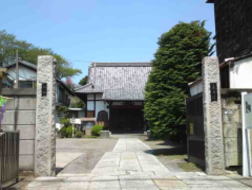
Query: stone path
x=129, y=167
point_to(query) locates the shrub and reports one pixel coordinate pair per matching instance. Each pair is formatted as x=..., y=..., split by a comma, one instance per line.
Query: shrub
x=66, y=132
x=96, y=130
x=65, y=121
x=78, y=134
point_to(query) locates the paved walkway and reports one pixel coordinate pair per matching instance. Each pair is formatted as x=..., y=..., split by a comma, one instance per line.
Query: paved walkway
x=129, y=167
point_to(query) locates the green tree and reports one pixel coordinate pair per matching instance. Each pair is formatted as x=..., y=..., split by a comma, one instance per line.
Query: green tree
x=83, y=81
x=30, y=53
x=177, y=62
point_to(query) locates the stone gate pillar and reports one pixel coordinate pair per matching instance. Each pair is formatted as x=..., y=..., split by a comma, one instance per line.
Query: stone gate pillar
x=214, y=147
x=45, y=140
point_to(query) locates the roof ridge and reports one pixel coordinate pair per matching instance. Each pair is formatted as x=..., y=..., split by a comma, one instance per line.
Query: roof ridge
x=121, y=64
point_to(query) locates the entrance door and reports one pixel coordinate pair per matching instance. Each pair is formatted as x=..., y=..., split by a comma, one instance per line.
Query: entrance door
x=126, y=120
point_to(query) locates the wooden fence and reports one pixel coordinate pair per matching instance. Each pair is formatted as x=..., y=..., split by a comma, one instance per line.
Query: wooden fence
x=9, y=158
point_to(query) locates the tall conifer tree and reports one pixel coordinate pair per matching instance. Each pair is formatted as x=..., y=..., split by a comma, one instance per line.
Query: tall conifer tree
x=177, y=62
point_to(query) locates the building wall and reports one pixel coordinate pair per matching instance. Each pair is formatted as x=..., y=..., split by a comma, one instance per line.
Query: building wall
x=96, y=104
x=233, y=28
x=240, y=74
x=26, y=123
x=232, y=130
x=100, y=106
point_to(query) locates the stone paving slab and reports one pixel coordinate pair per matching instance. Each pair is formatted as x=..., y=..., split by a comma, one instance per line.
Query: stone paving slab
x=130, y=167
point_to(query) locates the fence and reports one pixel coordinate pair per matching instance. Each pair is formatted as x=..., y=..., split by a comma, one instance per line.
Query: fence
x=9, y=158
x=195, y=130
x=20, y=114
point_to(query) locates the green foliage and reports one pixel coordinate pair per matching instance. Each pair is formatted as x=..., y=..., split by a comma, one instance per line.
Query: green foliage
x=83, y=81
x=62, y=109
x=3, y=100
x=77, y=103
x=66, y=131
x=177, y=62
x=65, y=121
x=96, y=130
x=30, y=53
x=78, y=134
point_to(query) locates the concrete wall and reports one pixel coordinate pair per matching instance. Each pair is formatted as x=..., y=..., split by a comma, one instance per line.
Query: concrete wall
x=232, y=130
x=26, y=104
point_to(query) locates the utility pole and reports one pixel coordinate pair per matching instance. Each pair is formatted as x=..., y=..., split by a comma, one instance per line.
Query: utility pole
x=17, y=70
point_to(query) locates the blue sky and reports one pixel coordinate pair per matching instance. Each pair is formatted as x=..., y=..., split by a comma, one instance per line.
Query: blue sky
x=99, y=30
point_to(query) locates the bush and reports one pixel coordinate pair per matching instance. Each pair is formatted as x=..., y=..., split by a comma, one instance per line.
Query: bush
x=66, y=132
x=78, y=134
x=65, y=121
x=96, y=130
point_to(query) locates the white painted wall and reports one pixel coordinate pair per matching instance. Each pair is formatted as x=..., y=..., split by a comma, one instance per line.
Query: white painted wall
x=90, y=105
x=241, y=74
x=101, y=105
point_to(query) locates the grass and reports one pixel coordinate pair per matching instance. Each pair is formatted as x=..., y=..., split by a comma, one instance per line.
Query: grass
x=189, y=167
x=90, y=136
x=176, y=157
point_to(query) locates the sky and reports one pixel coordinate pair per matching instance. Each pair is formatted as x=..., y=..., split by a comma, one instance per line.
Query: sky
x=85, y=31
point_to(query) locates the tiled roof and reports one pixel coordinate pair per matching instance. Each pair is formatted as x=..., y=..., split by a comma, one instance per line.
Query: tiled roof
x=117, y=81
x=22, y=62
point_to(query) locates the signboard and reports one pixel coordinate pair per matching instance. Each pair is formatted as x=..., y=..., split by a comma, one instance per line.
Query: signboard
x=75, y=121
x=246, y=133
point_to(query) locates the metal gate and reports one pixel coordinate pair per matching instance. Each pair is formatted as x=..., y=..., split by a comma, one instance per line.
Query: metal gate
x=195, y=130
x=9, y=158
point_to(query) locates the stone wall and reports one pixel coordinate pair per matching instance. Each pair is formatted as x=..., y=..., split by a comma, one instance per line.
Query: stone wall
x=233, y=28
x=25, y=123
x=232, y=130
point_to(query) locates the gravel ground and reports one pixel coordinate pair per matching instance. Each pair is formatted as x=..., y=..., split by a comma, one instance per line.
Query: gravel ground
x=79, y=156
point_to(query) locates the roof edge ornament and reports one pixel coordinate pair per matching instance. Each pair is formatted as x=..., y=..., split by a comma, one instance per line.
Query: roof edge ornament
x=211, y=1
x=121, y=64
